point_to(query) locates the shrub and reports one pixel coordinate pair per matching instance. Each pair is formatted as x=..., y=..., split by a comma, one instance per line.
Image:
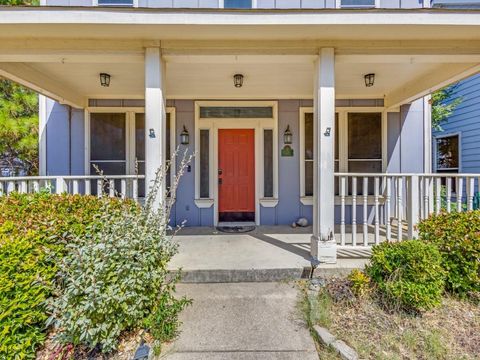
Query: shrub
x=359, y=282
x=117, y=279
x=409, y=274
x=33, y=232
x=457, y=236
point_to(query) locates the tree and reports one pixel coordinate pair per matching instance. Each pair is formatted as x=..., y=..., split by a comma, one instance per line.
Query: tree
x=444, y=102
x=18, y=127
x=19, y=2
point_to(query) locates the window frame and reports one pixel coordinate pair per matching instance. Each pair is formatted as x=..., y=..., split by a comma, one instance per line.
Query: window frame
x=343, y=141
x=134, y=4
x=435, y=163
x=130, y=135
x=221, y=5
x=338, y=5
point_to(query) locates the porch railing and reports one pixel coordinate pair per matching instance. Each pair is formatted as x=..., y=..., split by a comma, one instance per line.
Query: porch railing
x=375, y=207
x=124, y=186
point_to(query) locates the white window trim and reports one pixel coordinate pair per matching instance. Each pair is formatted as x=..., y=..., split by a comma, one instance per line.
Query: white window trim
x=435, y=147
x=338, y=5
x=130, y=135
x=258, y=124
x=343, y=141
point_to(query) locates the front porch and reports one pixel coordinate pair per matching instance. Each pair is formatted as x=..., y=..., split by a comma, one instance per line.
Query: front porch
x=357, y=164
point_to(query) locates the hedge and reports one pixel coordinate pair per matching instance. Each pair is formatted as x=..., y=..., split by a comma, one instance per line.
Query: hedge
x=34, y=229
x=457, y=236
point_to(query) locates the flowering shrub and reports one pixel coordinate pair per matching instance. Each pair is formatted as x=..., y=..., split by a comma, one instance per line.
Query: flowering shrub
x=116, y=278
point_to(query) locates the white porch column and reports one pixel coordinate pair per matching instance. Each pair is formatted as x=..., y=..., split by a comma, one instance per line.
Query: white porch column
x=323, y=245
x=155, y=116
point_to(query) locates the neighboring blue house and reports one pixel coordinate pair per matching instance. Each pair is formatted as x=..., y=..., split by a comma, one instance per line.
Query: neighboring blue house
x=456, y=149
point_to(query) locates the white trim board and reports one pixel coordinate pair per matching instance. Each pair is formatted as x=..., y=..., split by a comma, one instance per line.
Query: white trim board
x=213, y=124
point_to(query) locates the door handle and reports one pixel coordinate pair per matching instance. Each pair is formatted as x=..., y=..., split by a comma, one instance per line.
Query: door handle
x=220, y=172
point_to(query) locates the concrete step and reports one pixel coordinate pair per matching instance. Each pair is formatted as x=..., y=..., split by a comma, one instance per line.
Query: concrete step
x=204, y=276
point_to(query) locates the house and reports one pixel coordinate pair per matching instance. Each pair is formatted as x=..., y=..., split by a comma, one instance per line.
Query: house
x=455, y=146
x=294, y=108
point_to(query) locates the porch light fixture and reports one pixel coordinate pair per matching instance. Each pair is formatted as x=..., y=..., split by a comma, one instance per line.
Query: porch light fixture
x=287, y=136
x=369, y=80
x=105, y=79
x=238, y=80
x=184, y=136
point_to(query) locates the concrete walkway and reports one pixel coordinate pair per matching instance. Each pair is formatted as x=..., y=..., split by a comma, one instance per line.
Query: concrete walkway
x=242, y=321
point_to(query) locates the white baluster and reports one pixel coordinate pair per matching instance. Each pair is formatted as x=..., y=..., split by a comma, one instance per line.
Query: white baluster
x=449, y=193
x=75, y=186
x=99, y=188
x=60, y=185
x=426, y=200
x=365, y=211
x=111, y=188
x=438, y=195
x=88, y=187
x=10, y=187
x=376, y=185
x=23, y=187
x=387, y=208
x=459, y=184
x=354, y=211
x=342, y=210
x=135, y=190
x=36, y=186
x=400, y=208
x=470, y=192
x=123, y=190
x=2, y=184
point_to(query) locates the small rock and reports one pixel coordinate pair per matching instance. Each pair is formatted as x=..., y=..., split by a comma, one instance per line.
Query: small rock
x=345, y=351
x=294, y=225
x=303, y=222
x=324, y=335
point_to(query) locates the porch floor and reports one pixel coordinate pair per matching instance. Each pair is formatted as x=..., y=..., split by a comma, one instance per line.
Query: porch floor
x=266, y=253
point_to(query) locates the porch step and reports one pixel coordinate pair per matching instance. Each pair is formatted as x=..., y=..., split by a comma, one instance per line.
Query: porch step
x=265, y=275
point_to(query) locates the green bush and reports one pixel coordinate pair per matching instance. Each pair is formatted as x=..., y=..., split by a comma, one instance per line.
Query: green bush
x=34, y=230
x=359, y=282
x=457, y=236
x=408, y=273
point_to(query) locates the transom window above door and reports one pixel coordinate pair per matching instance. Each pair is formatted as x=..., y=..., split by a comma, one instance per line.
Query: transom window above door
x=357, y=3
x=115, y=2
x=237, y=4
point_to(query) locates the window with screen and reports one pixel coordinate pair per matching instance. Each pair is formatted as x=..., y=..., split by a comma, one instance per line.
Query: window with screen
x=115, y=2
x=447, y=154
x=237, y=4
x=308, y=151
x=357, y=3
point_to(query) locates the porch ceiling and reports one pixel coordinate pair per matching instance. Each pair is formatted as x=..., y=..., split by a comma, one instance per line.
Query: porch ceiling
x=61, y=51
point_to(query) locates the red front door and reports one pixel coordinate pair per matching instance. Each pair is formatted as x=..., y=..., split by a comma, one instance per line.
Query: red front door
x=236, y=174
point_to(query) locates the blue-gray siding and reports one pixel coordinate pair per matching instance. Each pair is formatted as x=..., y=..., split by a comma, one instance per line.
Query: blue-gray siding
x=465, y=121
x=65, y=152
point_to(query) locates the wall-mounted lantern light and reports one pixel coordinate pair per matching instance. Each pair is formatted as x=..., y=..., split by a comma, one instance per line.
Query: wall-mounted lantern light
x=105, y=79
x=238, y=80
x=287, y=136
x=184, y=136
x=369, y=80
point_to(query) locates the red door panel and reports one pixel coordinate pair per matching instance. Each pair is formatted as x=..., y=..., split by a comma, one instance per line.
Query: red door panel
x=236, y=164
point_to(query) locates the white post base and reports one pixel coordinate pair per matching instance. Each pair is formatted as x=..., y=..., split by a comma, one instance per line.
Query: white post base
x=323, y=251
